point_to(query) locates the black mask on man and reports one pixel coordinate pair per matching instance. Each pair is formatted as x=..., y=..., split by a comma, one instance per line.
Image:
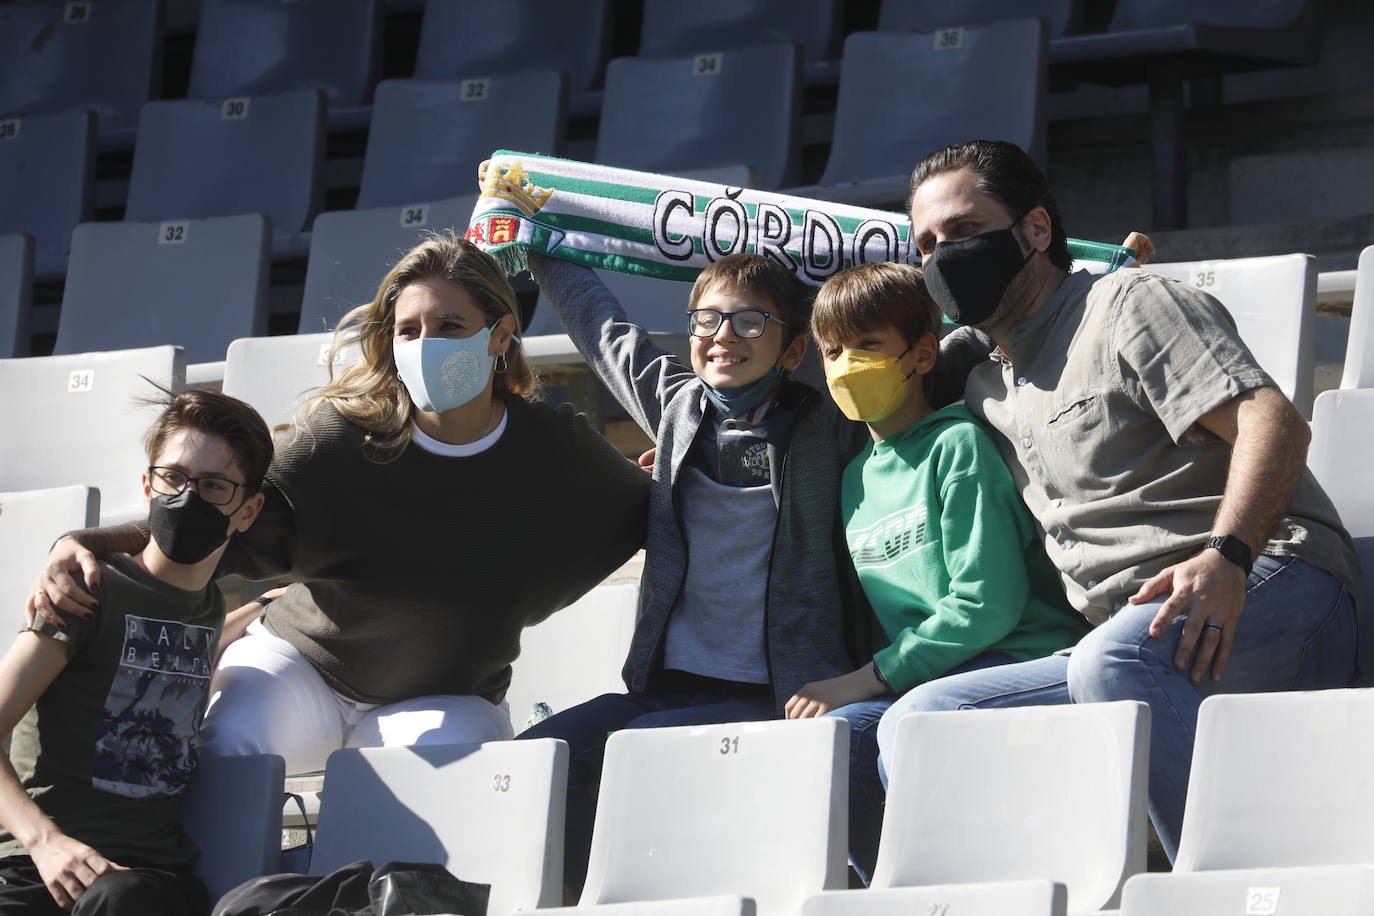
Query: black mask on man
x=968, y=277
x=186, y=528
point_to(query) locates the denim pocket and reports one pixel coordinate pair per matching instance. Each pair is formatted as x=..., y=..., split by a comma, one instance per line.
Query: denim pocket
x=1328, y=655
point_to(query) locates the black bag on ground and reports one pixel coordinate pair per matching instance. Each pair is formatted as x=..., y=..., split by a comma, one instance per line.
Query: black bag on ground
x=395, y=889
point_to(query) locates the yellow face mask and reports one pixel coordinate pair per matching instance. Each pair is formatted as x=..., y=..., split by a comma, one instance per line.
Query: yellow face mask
x=866, y=385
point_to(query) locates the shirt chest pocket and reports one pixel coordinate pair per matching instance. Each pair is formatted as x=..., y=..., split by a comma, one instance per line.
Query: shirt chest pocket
x=1075, y=437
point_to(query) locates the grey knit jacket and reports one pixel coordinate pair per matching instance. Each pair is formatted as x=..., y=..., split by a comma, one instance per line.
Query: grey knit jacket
x=816, y=621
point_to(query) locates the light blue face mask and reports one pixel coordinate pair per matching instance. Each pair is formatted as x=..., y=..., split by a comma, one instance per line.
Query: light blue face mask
x=736, y=402
x=442, y=373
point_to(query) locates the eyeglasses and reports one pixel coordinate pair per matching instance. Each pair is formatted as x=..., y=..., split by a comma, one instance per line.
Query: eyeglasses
x=746, y=323
x=217, y=491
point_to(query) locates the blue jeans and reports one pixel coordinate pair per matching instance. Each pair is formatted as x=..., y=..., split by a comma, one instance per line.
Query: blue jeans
x=1297, y=632
x=867, y=781
x=675, y=698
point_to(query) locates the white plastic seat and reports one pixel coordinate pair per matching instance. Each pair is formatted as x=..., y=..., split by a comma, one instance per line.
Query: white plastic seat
x=30, y=520
x=273, y=373
x=684, y=906
x=574, y=655
x=1050, y=792
x=1359, y=350
x=196, y=283
x=491, y=813
x=1273, y=301
x=232, y=810
x=75, y=420
x=1279, y=780
x=351, y=252
x=998, y=898
x=1335, y=890
x=756, y=809
x=16, y=293
x=1342, y=442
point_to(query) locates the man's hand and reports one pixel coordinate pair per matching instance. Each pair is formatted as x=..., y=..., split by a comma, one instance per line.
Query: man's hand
x=820, y=697
x=55, y=587
x=68, y=867
x=1209, y=589
x=646, y=460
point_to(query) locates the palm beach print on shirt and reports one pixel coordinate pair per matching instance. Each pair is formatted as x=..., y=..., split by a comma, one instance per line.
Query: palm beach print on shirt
x=153, y=710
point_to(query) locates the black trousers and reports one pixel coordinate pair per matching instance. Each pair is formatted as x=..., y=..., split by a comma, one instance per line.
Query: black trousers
x=136, y=892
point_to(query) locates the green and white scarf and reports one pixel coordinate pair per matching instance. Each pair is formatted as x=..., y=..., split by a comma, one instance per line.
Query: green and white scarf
x=672, y=228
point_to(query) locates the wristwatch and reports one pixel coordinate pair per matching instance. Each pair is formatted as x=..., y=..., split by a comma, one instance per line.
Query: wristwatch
x=1233, y=549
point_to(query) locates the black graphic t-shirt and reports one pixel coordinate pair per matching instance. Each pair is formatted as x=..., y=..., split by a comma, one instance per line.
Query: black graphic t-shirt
x=110, y=745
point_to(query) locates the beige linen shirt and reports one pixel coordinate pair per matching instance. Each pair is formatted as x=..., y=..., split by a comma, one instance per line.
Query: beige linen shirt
x=1096, y=415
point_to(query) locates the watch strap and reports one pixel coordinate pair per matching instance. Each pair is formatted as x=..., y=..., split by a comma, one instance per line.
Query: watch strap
x=1233, y=549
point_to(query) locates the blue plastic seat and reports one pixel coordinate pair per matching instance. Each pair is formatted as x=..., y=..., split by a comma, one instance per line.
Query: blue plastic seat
x=1163, y=42
x=251, y=47
x=101, y=55
x=16, y=293
x=47, y=177
x=736, y=107
x=906, y=94
x=1063, y=17
x=673, y=27
x=428, y=136
x=198, y=284
x=462, y=40
x=254, y=154
x=352, y=250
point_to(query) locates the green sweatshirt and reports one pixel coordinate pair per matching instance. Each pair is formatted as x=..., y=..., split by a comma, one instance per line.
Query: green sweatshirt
x=947, y=553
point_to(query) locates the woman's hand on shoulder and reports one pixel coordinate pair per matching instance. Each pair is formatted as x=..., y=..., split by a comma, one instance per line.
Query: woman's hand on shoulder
x=68, y=867
x=1142, y=245
x=55, y=587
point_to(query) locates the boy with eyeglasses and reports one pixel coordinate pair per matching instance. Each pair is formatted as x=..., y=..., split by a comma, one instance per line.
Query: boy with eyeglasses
x=745, y=596
x=108, y=709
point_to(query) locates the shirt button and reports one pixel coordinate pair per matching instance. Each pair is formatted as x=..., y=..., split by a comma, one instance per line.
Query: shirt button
x=1022, y=381
x=1056, y=503
x=1092, y=583
x=1068, y=543
x=1025, y=441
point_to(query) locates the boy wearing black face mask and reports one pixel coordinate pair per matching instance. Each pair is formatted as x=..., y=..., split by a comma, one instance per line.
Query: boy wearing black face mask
x=111, y=705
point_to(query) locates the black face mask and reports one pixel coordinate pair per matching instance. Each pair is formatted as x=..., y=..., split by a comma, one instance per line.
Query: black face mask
x=186, y=528
x=967, y=278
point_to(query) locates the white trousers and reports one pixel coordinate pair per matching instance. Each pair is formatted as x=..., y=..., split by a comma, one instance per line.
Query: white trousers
x=267, y=698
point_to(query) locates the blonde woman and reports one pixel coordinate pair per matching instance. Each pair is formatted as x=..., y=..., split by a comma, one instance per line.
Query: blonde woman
x=426, y=511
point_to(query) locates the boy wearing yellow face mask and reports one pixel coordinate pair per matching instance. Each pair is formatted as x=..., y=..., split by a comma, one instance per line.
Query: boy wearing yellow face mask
x=948, y=555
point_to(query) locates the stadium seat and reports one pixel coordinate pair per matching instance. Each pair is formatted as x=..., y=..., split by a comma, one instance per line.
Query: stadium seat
x=1273, y=302
x=16, y=293
x=428, y=136
x=199, y=283
x=465, y=40
x=47, y=181
x=1053, y=792
x=1342, y=443
x=102, y=55
x=272, y=373
x=1163, y=42
x=550, y=670
x=255, y=154
x=251, y=47
x=669, y=114
x=1002, y=898
x=30, y=520
x=685, y=906
x=1336, y=890
x=707, y=26
x=1280, y=780
x=1359, y=349
x=1063, y=17
x=755, y=808
x=232, y=810
x=490, y=813
x=351, y=252
x=76, y=420
x=991, y=85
